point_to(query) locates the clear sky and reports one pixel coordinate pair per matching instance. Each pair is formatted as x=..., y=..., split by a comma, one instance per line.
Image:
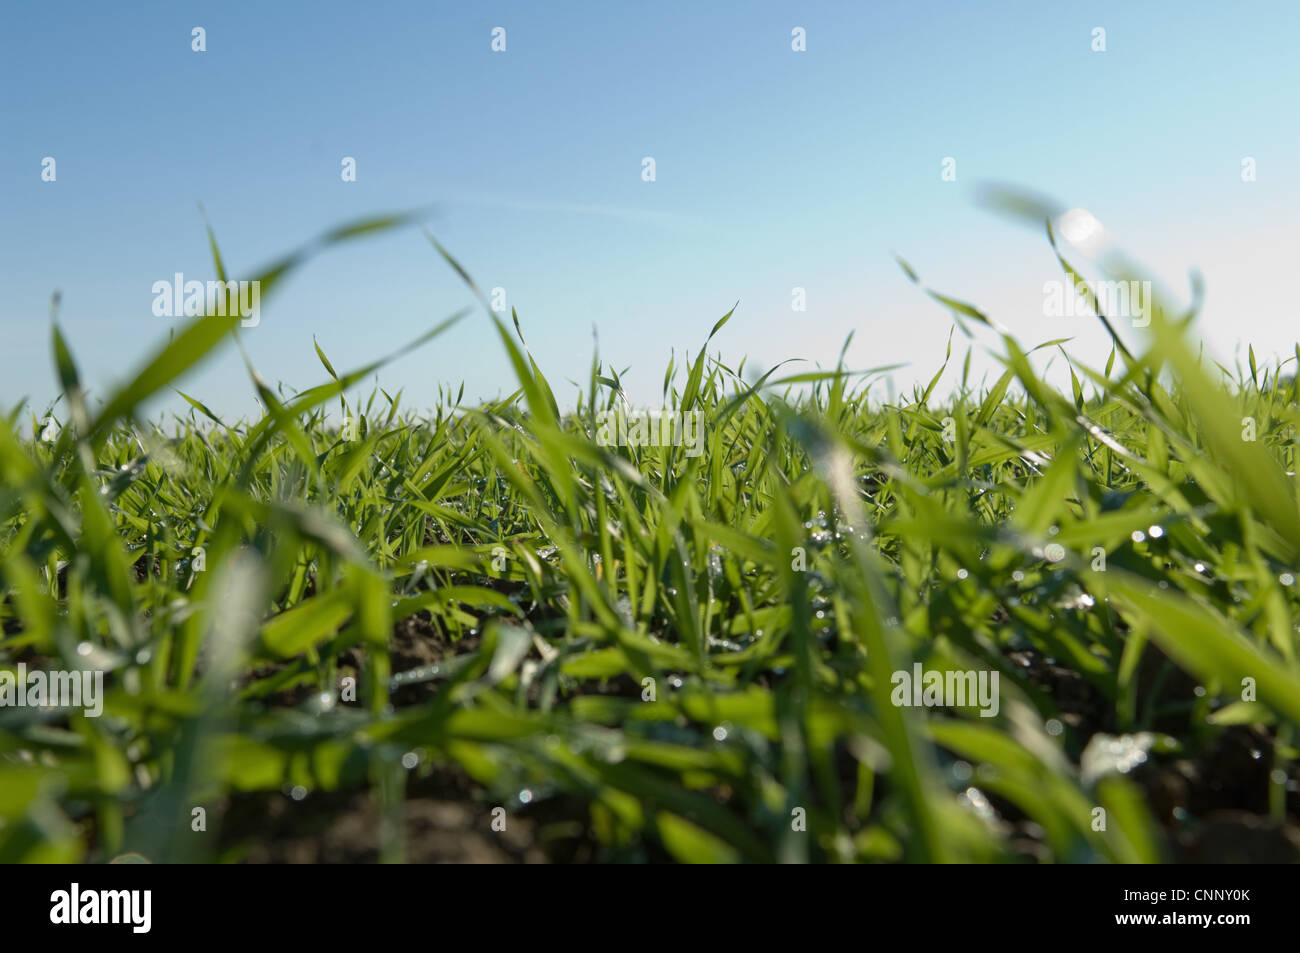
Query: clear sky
x=775, y=169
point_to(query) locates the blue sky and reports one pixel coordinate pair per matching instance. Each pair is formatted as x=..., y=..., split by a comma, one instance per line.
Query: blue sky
x=775, y=169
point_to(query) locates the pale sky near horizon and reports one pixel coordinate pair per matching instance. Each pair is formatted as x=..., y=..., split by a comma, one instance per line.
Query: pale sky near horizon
x=774, y=169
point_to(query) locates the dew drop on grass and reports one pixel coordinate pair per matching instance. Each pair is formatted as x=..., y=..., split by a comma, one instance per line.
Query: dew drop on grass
x=974, y=798
x=1286, y=579
x=1109, y=754
x=1138, y=536
x=410, y=760
x=525, y=796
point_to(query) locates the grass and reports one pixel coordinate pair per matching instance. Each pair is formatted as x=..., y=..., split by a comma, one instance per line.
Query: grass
x=641, y=654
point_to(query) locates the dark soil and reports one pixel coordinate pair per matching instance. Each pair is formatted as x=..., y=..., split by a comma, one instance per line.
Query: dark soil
x=343, y=828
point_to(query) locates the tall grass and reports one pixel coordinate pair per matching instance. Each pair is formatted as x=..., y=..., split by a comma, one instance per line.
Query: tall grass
x=761, y=594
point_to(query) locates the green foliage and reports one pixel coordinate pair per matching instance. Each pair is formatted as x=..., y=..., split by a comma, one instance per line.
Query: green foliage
x=769, y=586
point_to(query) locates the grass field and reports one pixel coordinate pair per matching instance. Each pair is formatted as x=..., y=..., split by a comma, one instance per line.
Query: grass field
x=485, y=634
